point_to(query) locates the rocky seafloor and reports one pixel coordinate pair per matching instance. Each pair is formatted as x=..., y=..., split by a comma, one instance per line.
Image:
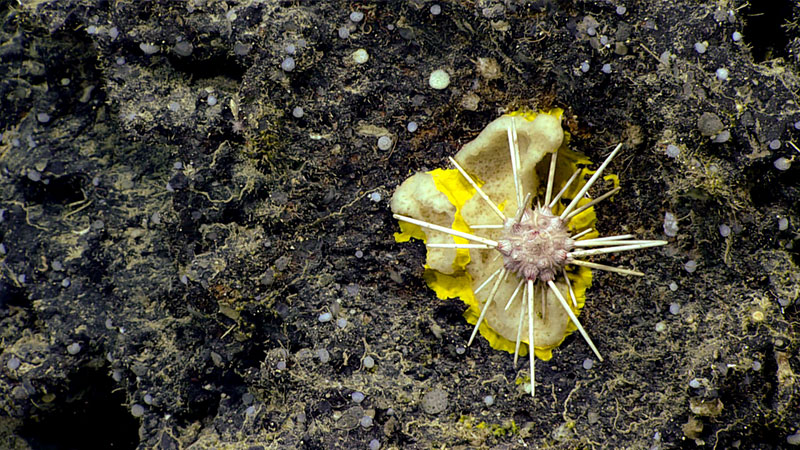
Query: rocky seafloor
x=196, y=248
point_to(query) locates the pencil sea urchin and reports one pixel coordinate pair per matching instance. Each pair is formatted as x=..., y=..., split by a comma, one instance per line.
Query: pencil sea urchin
x=535, y=251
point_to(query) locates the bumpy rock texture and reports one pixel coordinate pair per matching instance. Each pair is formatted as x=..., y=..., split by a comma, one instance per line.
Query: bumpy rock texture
x=162, y=208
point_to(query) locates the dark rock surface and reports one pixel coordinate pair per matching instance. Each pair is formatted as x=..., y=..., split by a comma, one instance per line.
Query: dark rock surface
x=171, y=233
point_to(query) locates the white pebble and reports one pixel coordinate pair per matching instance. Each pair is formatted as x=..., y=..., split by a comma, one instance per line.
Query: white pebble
x=621, y=10
x=344, y=32
x=736, y=36
x=374, y=444
x=323, y=355
x=13, y=363
x=412, y=126
x=74, y=348
x=690, y=266
x=357, y=397
x=724, y=230
x=288, y=64
x=359, y=254
x=670, y=224
x=325, y=317
x=782, y=163
x=774, y=144
x=360, y=56
x=661, y=326
x=756, y=365
x=783, y=223
x=384, y=142
x=722, y=137
x=488, y=400
x=700, y=47
x=793, y=439
x=606, y=68
x=673, y=151
x=436, y=9
x=148, y=49
x=461, y=350
x=356, y=16
x=695, y=383
x=439, y=79
x=43, y=117
x=375, y=197
x=675, y=309
x=341, y=322
x=211, y=100
x=585, y=66
x=588, y=363
x=369, y=363
x=297, y=112
x=366, y=421
x=673, y=286
x=137, y=410
x=722, y=73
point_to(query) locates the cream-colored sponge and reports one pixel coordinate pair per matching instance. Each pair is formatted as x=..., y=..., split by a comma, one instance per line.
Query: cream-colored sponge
x=418, y=197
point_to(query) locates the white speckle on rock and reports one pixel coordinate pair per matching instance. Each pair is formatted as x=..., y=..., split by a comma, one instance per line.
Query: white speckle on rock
x=356, y=16
x=385, y=142
x=700, y=47
x=439, y=79
x=137, y=410
x=670, y=224
x=288, y=64
x=673, y=151
x=360, y=56
x=782, y=163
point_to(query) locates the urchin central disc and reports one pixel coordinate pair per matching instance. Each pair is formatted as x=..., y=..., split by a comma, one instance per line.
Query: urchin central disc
x=535, y=246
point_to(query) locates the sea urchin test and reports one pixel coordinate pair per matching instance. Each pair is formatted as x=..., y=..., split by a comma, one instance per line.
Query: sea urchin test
x=491, y=225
